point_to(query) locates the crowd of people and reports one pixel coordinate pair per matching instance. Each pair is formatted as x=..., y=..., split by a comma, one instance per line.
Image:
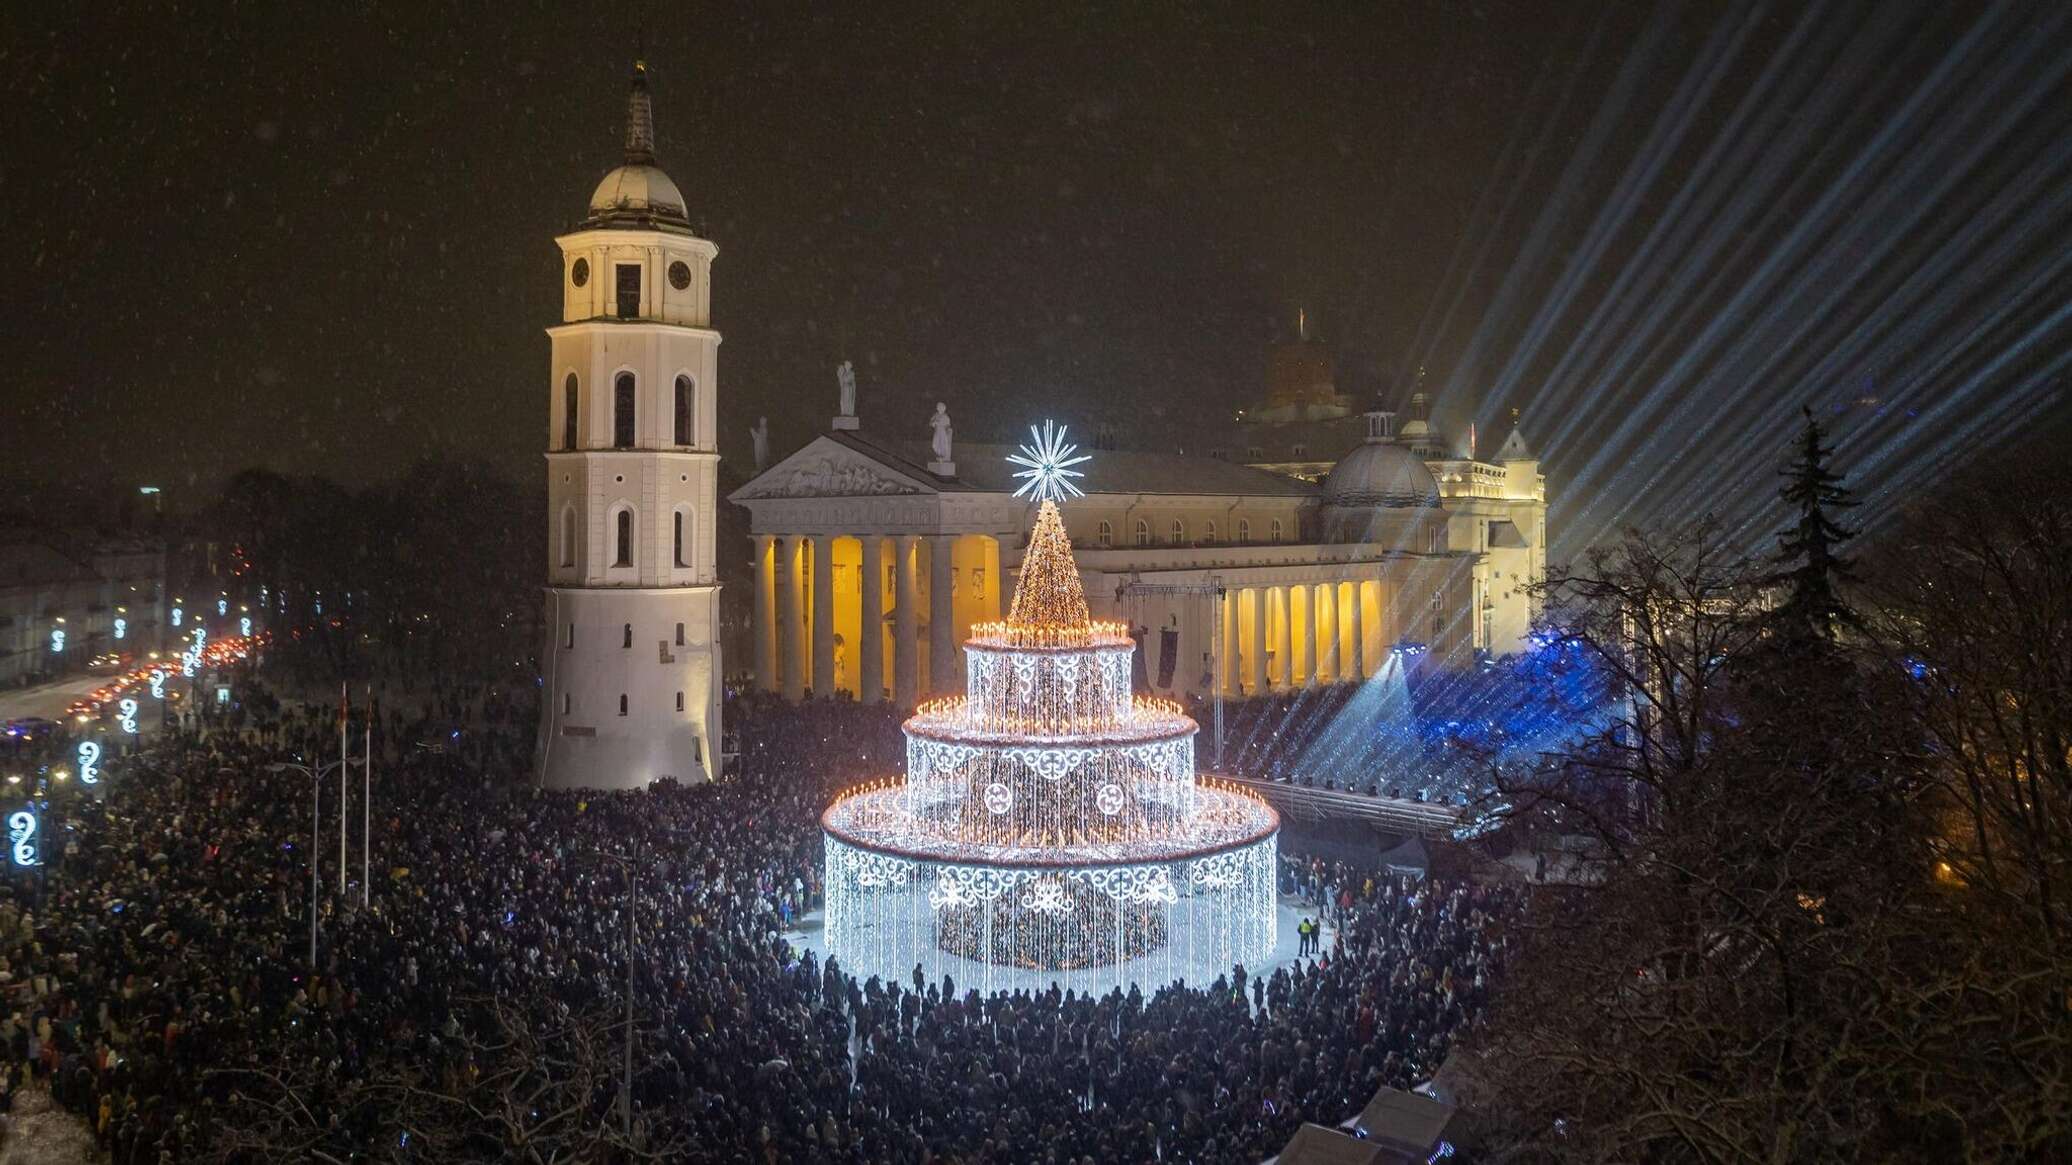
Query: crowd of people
x=157, y=972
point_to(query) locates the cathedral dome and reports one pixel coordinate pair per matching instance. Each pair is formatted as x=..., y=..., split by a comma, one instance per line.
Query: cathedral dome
x=1380, y=473
x=638, y=192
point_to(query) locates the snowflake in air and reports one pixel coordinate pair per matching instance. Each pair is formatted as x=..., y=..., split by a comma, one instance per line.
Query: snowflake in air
x=1047, y=462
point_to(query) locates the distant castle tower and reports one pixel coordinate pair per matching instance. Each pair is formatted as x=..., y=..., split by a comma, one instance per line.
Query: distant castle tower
x=632, y=659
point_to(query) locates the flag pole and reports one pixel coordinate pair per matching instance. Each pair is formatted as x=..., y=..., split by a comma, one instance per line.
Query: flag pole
x=367, y=806
x=344, y=709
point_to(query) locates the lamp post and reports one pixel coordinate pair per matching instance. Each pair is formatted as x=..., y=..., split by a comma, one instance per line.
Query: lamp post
x=626, y=1080
x=316, y=786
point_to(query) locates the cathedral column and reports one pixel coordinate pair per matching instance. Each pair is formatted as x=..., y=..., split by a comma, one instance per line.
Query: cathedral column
x=1277, y=604
x=942, y=618
x=1324, y=598
x=1227, y=652
x=903, y=622
x=765, y=613
x=1358, y=669
x=870, y=626
x=1313, y=642
x=1255, y=666
x=792, y=631
x=824, y=615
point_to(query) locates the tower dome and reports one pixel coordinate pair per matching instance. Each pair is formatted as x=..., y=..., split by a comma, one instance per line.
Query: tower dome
x=638, y=193
x=1380, y=472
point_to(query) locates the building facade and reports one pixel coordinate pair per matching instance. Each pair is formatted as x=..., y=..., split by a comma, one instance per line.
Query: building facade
x=631, y=667
x=873, y=559
x=65, y=601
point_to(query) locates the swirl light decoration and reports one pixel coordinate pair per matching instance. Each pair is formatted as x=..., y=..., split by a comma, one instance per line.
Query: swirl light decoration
x=1050, y=827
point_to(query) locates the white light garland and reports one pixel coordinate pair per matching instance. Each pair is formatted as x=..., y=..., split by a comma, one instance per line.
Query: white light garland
x=127, y=719
x=244, y=626
x=121, y=627
x=57, y=640
x=157, y=685
x=178, y=615
x=89, y=762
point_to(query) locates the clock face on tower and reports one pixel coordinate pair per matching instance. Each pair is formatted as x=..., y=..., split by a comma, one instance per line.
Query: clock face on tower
x=579, y=274
x=679, y=275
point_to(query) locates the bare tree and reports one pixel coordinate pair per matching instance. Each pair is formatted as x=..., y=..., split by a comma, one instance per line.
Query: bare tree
x=1660, y=615
x=1976, y=602
x=523, y=1081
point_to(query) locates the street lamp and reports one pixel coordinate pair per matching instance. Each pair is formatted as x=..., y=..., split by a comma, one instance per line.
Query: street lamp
x=316, y=785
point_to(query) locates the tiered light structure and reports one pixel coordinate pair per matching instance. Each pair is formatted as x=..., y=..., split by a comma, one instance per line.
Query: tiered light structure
x=1050, y=828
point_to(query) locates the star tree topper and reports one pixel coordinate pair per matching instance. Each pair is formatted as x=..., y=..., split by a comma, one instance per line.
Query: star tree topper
x=1047, y=463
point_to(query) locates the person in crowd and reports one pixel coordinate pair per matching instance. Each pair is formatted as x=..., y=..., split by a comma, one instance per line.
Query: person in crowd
x=169, y=951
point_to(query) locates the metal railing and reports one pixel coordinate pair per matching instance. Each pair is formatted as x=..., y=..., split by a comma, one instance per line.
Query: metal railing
x=1303, y=803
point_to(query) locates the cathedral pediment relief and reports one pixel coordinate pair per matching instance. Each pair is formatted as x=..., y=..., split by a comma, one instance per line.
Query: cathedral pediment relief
x=827, y=470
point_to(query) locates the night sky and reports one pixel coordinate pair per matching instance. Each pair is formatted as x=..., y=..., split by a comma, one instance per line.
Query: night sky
x=322, y=241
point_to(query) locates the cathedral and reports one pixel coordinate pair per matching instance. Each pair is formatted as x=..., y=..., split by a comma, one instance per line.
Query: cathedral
x=632, y=478
x=875, y=553
x=1322, y=547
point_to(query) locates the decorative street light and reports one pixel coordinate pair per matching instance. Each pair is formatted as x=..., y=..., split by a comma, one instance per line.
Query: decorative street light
x=316, y=784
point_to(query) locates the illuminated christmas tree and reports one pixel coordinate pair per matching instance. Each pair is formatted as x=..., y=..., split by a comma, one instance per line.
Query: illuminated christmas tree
x=1050, y=826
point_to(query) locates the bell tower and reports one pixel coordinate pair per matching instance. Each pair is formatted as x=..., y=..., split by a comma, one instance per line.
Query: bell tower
x=631, y=665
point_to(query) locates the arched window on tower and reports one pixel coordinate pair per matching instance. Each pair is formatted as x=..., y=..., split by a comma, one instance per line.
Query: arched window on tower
x=622, y=411
x=677, y=522
x=686, y=399
x=568, y=535
x=568, y=412
x=624, y=556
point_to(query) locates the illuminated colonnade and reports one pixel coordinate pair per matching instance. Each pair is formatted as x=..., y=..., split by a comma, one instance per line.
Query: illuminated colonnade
x=922, y=593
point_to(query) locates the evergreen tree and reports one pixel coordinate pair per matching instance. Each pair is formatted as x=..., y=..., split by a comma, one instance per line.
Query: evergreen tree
x=1811, y=567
